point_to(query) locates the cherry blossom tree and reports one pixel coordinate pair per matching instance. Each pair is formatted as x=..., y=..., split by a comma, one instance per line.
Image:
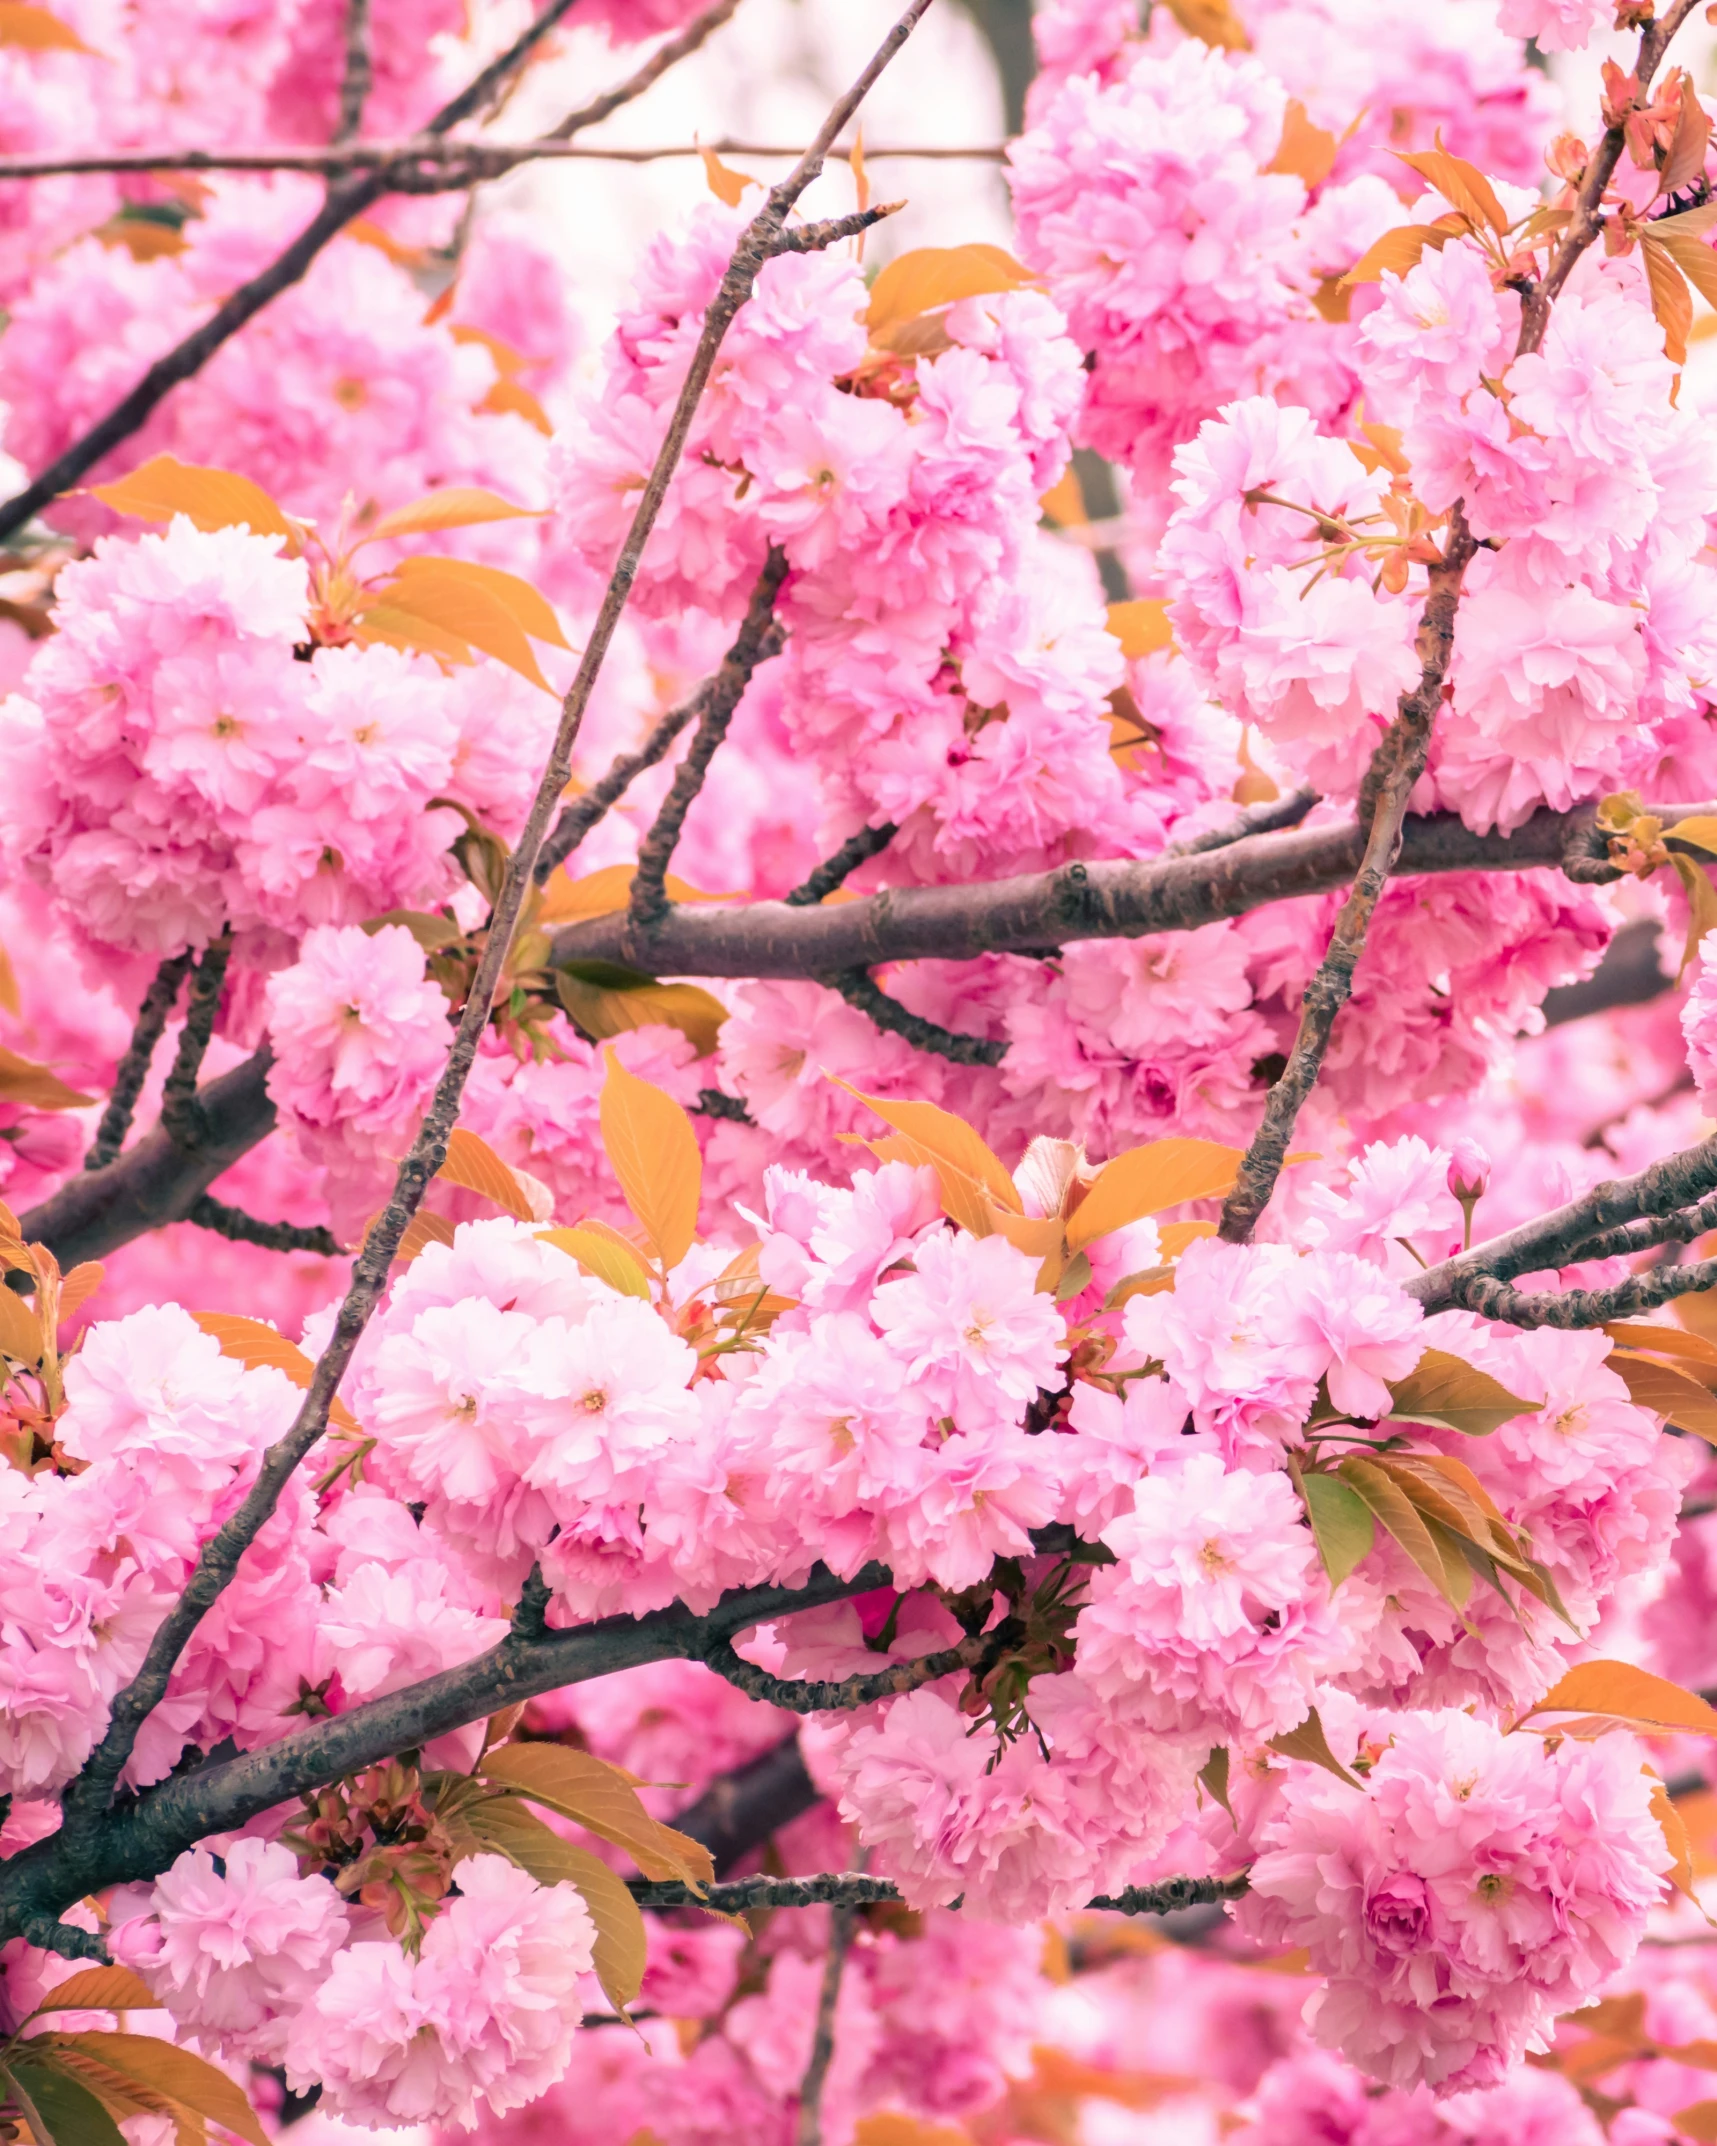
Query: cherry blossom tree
x=857, y=1211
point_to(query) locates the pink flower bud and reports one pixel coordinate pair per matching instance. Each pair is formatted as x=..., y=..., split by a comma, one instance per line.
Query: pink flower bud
x=1469, y=1169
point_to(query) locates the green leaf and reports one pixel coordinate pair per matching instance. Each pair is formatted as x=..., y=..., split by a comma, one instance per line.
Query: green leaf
x=1308, y=1742
x=61, y=2110
x=1447, y=1390
x=1342, y=1525
x=1391, y=1504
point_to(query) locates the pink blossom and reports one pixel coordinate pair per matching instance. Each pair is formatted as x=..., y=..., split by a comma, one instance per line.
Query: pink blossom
x=1474, y=1888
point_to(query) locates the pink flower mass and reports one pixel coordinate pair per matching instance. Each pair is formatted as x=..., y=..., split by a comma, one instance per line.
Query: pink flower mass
x=858, y=1035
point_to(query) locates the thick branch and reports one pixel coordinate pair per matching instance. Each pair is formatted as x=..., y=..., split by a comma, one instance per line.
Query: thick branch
x=740, y=1810
x=138, y=1840
x=157, y=1181
x=1630, y=974
x=1563, y=1236
x=1570, y=1308
x=133, y=1070
x=1109, y=899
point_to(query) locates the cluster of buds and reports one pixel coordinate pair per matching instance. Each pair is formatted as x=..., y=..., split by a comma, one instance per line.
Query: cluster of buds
x=381, y=1844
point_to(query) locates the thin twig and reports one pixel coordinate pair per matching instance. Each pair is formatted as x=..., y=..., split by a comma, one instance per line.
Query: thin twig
x=835, y=871
x=1587, y=224
x=181, y=1112
x=759, y=638
x=701, y=27
x=233, y=1222
x=543, y=148
x=133, y=1069
x=88, y=1797
x=1168, y=1897
x=1265, y=819
x=346, y=200
x=355, y=82
x=812, y=1695
x=1396, y=766
x=860, y=988
x=843, y=1920
x=649, y=898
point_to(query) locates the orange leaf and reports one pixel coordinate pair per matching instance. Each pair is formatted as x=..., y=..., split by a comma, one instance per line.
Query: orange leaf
x=723, y=182
x=654, y=1153
x=532, y=610
x=210, y=498
x=473, y=1163
x=1146, y=1179
x=1461, y=184
x=38, y=29
x=930, y=276
x=256, y=1346
x=1141, y=626
x=458, y=506
x=1627, y=1694
x=599, y=894
x=1307, y=152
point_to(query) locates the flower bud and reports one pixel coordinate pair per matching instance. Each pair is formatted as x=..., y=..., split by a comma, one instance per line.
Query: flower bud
x=1469, y=1170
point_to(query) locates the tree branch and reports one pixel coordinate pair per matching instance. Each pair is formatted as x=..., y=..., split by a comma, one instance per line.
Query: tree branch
x=1168, y=1897
x=136, y=1840
x=181, y=1112
x=1263, y=819
x=649, y=902
x=133, y=1069
x=760, y=637
x=1630, y=974
x=1588, y=223
x=860, y=988
x=1122, y=898
x=355, y=83
x=842, y=1922
x=1564, y=1235
x=835, y=871
x=811, y=1695
x=1571, y=1308
x=233, y=1222
x=740, y=1810
x=347, y=199
x=1395, y=767
x=87, y=1800
x=494, y=159
x=157, y=1181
